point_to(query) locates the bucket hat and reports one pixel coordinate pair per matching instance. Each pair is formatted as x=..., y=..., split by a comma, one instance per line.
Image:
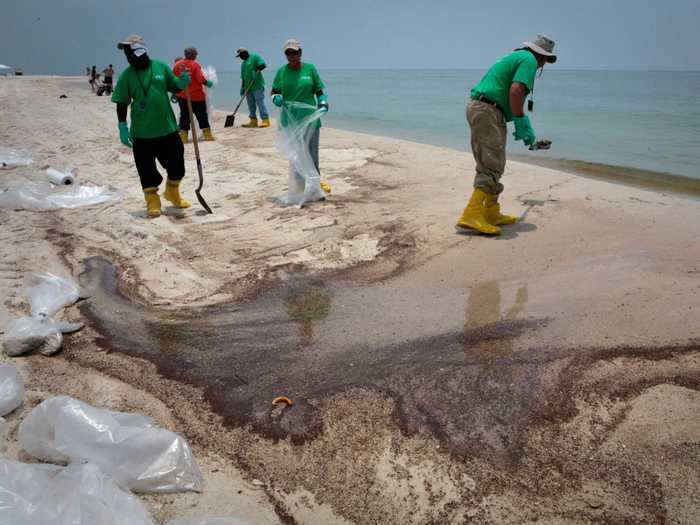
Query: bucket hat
x=543, y=45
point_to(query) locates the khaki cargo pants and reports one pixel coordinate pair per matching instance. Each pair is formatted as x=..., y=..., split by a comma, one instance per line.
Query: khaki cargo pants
x=488, y=131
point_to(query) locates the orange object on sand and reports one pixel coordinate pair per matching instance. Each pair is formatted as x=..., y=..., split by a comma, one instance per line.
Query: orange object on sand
x=282, y=399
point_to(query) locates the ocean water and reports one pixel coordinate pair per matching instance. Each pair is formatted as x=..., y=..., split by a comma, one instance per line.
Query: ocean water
x=639, y=119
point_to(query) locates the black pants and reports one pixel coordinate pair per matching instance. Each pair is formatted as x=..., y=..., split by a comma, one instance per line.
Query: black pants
x=199, y=109
x=170, y=153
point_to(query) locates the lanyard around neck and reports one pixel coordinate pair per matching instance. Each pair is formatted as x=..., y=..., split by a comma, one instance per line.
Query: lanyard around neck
x=145, y=91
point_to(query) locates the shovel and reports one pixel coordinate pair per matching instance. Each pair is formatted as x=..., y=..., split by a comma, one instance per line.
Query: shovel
x=196, y=153
x=230, y=118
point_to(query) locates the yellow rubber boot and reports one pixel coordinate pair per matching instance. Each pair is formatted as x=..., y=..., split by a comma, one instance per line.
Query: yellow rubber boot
x=473, y=215
x=325, y=187
x=265, y=123
x=172, y=193
x=207, y=134
x=152, y=202
x=183, y=136
x=252, y=123
x=493, y=212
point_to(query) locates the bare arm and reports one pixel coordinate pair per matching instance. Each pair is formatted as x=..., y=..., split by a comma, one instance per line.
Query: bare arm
x=121, y=112
x=516, y=96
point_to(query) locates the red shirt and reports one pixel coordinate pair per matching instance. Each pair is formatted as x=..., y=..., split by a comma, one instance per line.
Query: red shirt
x=198, y=80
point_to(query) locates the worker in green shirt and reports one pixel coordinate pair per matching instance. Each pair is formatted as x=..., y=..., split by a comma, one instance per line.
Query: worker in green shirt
x=499, y=98
x=299, y=81
x=145, y=85
x=253, y=86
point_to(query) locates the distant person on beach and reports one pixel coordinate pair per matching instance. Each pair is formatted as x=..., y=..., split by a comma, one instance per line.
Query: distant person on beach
x=499, y=98
x=299, y=81
x=197, y=95
x=253, y=83
x=145, y=85
x=108, y=73
x=93, y=78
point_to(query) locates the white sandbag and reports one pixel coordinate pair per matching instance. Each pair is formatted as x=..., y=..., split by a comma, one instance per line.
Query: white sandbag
x=80, y=494
x=47, y=294
x=41, y=196
x=293, y=140
x=128, y=447
x=13, y=157
x=11, y=389
x=207, y=521
x=60, y=178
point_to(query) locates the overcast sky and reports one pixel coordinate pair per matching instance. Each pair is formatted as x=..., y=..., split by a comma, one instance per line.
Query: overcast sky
x=64, y=36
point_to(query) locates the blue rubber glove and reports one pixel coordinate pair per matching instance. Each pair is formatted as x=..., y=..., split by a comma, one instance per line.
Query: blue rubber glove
x=184, y=80
x=323, y=103
x=277, y=100
x=209, y=83
x=523, y=130
x=124, y=134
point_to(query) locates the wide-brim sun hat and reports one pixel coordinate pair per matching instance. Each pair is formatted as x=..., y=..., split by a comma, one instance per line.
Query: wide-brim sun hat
x=240, y=50
x=292, y=44
x=135, y=42
x=543, y=45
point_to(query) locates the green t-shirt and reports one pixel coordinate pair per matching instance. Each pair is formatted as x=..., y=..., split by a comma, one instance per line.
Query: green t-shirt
x=147, y=92
x=518, y=66
x=249, y=71
x=299, y=85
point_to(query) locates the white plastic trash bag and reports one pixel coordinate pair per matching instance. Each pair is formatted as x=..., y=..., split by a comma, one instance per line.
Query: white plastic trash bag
x=40, y=196
x=298, y=122
x=11, y=389
x=207, y=521
x=210, y=74
x=80, y=494
x=128, y=447
x=12, y=157
x=47, y=293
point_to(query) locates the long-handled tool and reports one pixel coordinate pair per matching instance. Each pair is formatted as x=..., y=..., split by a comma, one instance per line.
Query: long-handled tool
x=230, y=118
x=196, y=153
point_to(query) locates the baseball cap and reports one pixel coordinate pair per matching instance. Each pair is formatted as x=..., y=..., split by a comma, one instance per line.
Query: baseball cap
x=241, y=50
x=135, y=42
x=292, y=43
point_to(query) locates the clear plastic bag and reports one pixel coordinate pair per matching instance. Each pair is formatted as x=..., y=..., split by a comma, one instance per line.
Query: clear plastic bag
x=12, y=157
x=47, y=293
x=11, y=389
x=207, y=521
x=80, y=494
x=128, y=447
x=41, y=196
x=293, y=140
x=210, y=74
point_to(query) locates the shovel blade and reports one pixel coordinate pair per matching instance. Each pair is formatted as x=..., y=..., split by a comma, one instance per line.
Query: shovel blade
x=203, y=202
x=229, y=121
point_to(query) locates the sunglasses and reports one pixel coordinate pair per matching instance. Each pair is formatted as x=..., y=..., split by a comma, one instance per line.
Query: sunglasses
x=292, y=52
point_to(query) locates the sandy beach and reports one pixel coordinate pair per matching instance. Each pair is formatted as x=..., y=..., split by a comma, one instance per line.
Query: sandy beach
x=551, y=374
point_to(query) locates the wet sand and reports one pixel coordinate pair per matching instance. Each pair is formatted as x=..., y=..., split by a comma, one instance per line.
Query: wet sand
x=550, y=374
x=635, y=177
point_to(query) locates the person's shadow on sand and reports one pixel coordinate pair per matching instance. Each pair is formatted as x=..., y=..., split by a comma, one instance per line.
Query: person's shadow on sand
x=510, y=231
